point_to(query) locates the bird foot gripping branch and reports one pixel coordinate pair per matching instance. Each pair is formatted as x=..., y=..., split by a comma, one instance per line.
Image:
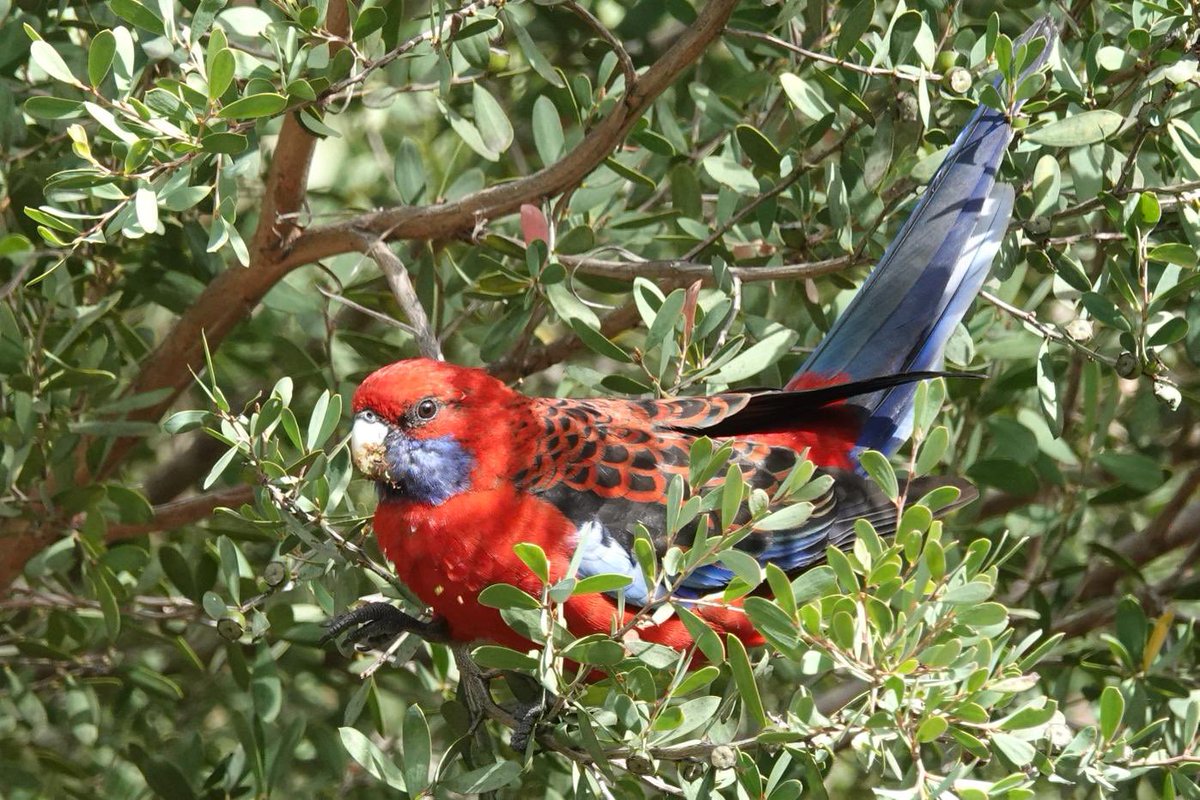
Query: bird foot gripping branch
x=467, y=468
x=376, y=625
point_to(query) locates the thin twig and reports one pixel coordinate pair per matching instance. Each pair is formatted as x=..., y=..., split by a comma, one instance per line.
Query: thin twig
x=914, y=74
x=370, y=312
x=613, y=42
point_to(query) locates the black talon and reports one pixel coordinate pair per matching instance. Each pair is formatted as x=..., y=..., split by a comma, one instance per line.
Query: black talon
x=528, y=718
x=533, y=703
x=377, y=624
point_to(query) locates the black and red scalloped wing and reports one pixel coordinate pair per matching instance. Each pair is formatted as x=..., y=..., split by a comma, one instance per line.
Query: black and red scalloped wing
x=606, y=465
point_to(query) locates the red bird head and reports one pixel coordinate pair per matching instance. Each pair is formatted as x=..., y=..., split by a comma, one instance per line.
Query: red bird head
x=427, y=430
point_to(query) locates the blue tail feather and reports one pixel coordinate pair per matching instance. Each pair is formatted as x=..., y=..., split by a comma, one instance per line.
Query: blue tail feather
x=910, y=304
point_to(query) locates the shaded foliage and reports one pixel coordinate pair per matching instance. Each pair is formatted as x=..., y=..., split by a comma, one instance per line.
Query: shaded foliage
x=701, y=195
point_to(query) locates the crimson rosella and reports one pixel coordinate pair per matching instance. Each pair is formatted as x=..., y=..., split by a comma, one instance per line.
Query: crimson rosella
x=467, y=467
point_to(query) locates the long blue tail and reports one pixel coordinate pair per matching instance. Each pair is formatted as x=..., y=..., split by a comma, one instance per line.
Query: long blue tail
x=905, y=312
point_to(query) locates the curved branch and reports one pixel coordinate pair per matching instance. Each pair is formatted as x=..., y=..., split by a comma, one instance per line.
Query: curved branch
x=233, y=294
x=178, y=513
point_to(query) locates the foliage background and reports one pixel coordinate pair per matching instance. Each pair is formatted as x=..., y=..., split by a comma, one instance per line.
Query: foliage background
x=280, y=197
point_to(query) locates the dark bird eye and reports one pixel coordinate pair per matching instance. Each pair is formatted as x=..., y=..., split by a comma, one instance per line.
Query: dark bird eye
x=427, y=409
x=368, y=416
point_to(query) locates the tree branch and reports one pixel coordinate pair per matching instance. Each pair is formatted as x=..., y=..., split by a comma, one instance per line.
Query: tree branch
x=234, y=293
x=1170, y=529
x=394, y=270
x=178, y=513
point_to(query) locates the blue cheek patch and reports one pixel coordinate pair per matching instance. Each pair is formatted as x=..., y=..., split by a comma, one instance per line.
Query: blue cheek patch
x=427, y=470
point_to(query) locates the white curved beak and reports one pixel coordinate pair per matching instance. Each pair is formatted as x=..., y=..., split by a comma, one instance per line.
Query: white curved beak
x=367, y=447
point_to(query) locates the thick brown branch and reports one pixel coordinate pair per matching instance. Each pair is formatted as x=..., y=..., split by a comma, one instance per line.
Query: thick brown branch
x=178, y=513
x=234, y=293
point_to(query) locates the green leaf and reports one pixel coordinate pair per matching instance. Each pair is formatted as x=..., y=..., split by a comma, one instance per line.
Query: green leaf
x=224, y=143
x=1112, y=711
x=221, y=70
x=547, y=130
x=733, y=493
x=1018, y=751
x=1177, y=253
x=145, y=204
x=816, y=582
x=601, y=651
x=705, y=637
x=496, y=657
x=727, y=172
x=264, y=104
x=103, y=592
x=880, y=469
x=600, y=584
x=598, y=342
x=931, y=450
x=494, y=128
x=568, y=306
x=50, y=62
x=973, y=592
x=534, y=557
x=503, y=595
x=1104, y=310
x=697, y=680
x=52, y=107
x=743, y=676
x=776, y=626
x=756, y=358
x=1169, y=332
x=219, y=467
x=485, y=779
x=371, y=758
x=326, y=414
x=1047, y=385
x=847, y=98
x=759, y=148
x=788, y=518
x=983, y=614
x=806, y=100
x=541, y=65
x=856, y=24
x=1078, y=130
x=100, y=56
x=1132, y=469
x=743, y=565
x=931, y=729
x=411, y=176
x=370, y=19
x=138, y=14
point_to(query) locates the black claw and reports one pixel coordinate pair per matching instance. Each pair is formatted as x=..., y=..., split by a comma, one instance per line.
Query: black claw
x=377, y=624
x=528, y=716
